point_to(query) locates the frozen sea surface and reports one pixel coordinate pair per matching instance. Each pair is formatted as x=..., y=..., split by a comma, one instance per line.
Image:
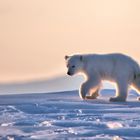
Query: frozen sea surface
x=63, y=115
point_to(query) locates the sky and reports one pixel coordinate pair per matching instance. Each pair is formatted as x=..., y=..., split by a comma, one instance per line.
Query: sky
x=35, y=35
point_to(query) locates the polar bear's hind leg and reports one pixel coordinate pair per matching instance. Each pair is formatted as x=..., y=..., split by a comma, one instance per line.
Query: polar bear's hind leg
x=136, y=85
x=121, y=92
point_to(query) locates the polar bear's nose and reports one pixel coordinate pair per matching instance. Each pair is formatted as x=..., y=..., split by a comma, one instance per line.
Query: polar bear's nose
x=68, y=73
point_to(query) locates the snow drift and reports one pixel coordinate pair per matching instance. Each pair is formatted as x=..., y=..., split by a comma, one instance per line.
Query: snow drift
x=64, y=115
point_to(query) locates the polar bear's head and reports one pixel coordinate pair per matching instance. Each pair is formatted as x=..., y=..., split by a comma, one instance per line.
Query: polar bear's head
x=74, y=64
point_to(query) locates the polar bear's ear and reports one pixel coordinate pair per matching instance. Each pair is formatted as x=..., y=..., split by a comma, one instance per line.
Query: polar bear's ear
x=81, y=58
x=66, y=57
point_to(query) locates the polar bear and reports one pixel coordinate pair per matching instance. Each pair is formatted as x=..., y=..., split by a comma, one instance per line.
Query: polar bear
x=118, y=68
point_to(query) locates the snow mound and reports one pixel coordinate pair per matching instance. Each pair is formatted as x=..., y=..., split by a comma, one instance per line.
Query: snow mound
x=64, y=115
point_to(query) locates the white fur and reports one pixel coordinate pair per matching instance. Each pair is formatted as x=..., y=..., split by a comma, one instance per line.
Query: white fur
x=119, y=68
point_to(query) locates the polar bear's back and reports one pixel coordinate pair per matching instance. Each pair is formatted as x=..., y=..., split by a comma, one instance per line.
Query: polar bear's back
x=125, y=61
x=108, y=64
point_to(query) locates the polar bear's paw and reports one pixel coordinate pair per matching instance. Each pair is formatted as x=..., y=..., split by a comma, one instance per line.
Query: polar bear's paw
x=90, y=97
x=138, y=98
x=93, y=96
x=116, y=99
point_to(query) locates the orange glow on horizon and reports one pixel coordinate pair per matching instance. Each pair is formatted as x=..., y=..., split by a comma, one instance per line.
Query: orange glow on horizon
x=36, y=35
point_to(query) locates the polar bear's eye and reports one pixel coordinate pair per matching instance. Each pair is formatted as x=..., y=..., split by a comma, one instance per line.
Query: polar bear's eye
x=73, y=66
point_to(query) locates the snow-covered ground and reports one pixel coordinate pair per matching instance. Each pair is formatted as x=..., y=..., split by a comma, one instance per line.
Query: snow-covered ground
x=65, y=116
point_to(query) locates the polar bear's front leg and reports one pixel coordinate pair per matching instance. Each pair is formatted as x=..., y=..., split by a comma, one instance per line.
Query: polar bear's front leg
x=83, y=90
x=87, y=86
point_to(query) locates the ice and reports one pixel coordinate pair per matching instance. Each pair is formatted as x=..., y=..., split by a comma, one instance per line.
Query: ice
x=45, y=123
x=114, y=125
x=6, y=124
x=64, y=115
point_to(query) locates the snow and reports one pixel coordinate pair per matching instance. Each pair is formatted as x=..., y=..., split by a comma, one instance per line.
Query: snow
x=64, y=115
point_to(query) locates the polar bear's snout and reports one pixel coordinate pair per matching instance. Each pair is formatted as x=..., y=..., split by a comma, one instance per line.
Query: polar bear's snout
x=68, y=73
